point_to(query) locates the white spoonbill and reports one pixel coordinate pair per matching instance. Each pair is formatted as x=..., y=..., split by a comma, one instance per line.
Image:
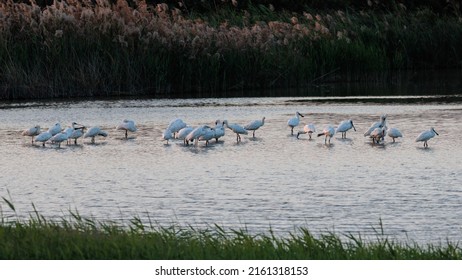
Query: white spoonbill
x=62, y=136
x=43, y=137
x=394, y=133
x=182, y=133
x=208, y=133
x=328, y=131
x=254, y=125
x=167, y=135
x=77, y=133
x=219, y=130
x=381, y=123
x=344, y=126
x=426, y=135
x=236, y=129
x=195, y=134
x=127, y=125
x=93, y=132
x=293, y=122
x=377, y=134
x=175, y=125
x=74, y=131
x=55, y=129
x=32, y=132
x=309, y=128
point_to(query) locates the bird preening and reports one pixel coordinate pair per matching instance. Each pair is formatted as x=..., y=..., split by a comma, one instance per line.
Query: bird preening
x=178, y=129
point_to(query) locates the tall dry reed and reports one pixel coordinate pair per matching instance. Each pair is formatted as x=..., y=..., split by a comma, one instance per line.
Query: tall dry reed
x=99, y=48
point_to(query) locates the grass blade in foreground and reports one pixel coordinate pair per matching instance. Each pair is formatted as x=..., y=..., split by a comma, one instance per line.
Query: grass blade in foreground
x=84, y=238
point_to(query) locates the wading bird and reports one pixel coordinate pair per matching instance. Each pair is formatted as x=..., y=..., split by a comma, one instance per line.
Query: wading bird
x=293, y=122
x=207, y=134
x=394, y=133
x=167, y=135
x=43, y=137
x=32, y=132
x=377, y=134
x=196, y=133
x=344, y=126
x=219, y=130
x=77, y=133
x=55, y=129
x=309, y=128
x=175, y=125
x=254, y=125
x=381, y=123
x=183, y=133
x=236, y=129
x=93, y=132
x=62, y=136
x=127, y=125
x=328, y=131
x=426, y=135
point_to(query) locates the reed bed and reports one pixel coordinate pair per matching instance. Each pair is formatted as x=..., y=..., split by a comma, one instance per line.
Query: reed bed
x=77, y=237
x=110, y=48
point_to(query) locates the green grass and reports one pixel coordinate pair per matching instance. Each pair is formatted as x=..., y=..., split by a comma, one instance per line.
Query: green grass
x=77, y=237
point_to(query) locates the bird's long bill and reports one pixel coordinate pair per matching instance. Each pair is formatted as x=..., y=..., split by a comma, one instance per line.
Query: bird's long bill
x=435, y=132
x=301, y=115
x=353, y=127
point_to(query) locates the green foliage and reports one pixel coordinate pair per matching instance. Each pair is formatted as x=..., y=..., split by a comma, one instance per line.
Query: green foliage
x=78, y=237
x=130, y=48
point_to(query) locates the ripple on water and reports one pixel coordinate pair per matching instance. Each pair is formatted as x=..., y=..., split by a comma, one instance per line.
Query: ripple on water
x=273, y=181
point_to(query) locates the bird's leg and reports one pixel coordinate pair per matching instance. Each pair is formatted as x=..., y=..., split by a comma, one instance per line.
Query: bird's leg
x=126, y=134
x=292, y=131
x=254, y=134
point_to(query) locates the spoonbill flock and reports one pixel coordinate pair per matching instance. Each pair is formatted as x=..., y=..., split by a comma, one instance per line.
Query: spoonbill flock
x=178, y=129
x=56, y=134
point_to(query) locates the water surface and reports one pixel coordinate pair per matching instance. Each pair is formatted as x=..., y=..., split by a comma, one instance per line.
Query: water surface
x=273, y=181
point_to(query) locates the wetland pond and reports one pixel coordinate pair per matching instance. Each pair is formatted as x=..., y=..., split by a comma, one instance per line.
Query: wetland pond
x=274, y=181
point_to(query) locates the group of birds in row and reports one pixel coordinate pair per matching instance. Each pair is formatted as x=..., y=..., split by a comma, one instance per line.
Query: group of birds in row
x=57, y=135
x=377, y=131
x=178, y=129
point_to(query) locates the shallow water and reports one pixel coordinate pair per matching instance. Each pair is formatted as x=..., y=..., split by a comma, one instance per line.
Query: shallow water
x=273, y=181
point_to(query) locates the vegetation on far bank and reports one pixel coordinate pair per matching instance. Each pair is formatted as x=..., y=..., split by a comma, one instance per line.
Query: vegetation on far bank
x=78, y=237
x=109, y=48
